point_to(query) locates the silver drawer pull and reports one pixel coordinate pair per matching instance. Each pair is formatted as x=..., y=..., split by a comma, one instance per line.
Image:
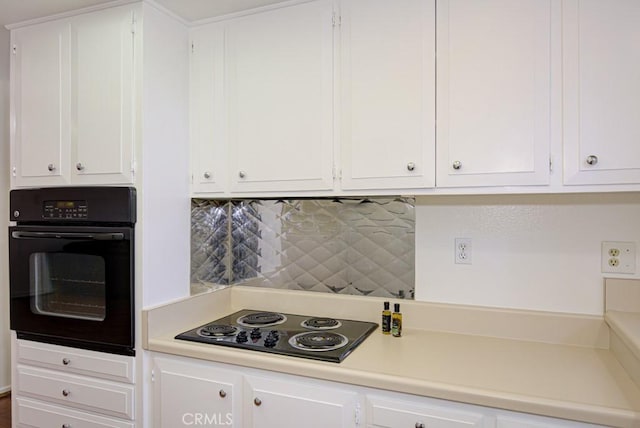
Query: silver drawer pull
x=207, y=175
x=79, y=166
x=66, y=426
x=66, y=392
x=411, y=166
x=420, y=425
x=457, y=165
x=257, y=401
x=592, y=159
x=66, y=361
x=223, y=393
x=51, y=167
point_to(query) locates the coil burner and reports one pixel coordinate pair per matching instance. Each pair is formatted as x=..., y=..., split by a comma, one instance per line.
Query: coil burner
x=318, y=341
x=321, y=323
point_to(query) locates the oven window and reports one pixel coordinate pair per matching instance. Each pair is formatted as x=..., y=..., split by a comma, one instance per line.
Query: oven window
x=68, y=285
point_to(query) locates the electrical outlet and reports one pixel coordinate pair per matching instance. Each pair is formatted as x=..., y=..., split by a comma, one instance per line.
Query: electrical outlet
x=618, y=257
x=462, y=251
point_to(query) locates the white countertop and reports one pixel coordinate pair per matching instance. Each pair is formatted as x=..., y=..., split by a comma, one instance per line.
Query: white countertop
x=553, y=379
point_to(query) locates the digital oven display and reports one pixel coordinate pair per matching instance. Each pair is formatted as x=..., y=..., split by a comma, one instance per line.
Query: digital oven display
x=71, y=210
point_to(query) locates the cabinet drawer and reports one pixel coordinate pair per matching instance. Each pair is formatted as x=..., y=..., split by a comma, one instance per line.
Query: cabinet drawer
x=81, y=392
x=384, y=413
x=90, y=363
x=36, y=414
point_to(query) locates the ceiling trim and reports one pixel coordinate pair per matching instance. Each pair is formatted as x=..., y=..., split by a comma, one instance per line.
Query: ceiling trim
x=70, y=13
x=246, y=12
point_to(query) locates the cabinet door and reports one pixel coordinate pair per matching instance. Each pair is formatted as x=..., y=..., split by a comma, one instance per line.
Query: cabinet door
x=102, y=96
x=601, y=91
x=279, y=97
x=40, y=104
x=493, y=92
x=388, y=94
x=383, y=413
x=208, y=148
x=286, y=404
x=191, y=393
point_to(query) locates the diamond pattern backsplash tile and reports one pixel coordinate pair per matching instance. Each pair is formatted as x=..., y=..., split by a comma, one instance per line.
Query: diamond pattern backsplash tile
x=350, y=246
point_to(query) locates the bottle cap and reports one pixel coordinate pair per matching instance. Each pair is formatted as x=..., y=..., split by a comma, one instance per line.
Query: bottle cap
x=396, y=307
x=386, y=306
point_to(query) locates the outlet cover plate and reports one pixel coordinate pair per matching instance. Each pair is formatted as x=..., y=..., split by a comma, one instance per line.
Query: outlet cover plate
x=462, y=251
x=618, y=257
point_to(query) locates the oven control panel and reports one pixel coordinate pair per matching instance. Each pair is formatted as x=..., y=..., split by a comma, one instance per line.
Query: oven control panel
x=71, y=210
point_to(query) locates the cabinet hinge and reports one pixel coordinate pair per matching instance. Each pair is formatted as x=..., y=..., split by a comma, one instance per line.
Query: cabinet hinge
x=153, y=375
x=14, y=49
x=133, y=24
x=337, y=173
x=133, y=168
x=336, y=20
x=357, y=414
x=13, y=171
x=550, y=164
x=193, y=47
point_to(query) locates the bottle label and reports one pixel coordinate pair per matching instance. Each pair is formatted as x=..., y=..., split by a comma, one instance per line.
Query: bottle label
x=386, y=324
x=396, y=326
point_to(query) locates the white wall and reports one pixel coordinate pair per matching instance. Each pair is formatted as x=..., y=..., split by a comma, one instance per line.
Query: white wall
x=5, y=355
x=539, y=252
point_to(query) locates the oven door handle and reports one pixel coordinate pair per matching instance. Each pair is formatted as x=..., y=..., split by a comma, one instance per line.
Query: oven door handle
x=68, y=235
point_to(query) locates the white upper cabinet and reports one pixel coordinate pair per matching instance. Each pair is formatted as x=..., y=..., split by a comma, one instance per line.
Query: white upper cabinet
x=72, y=100
x=208, y=143
x=601, y=91
x=493, y=92
x=40, y=72
x=279, y=98
x=387, y=94
x=102, y=96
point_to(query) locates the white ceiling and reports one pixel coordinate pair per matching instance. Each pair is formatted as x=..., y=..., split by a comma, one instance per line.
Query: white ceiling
x=12, y=11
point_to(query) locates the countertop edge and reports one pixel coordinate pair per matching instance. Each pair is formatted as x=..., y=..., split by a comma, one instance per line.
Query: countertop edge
x=476, y=396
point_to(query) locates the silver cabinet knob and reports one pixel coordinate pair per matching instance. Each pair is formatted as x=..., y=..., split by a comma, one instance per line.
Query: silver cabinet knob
x=51, y=167
x=411, y=166
x=592, y=159
x=420, y=425
x=66, y=392
x=66, y=426
x=457, y=165
x=207, y=175
x=79, y=166
x=257, y=401
x=242, y=174
x=66, y=361
x=223, y=393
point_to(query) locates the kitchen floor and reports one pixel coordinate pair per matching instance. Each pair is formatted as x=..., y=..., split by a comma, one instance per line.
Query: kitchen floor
x=5, y=411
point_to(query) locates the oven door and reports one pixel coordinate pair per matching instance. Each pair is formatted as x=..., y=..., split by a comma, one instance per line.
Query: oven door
x=73, y=286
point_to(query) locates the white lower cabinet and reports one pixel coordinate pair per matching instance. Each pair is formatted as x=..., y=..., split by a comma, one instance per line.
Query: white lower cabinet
x=195, y=393
x=188, y=391
x=68, y=387
x=271, y=402
x=388, y=413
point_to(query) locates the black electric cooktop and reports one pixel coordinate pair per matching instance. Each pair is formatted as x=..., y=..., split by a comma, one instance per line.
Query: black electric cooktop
x=318, y=338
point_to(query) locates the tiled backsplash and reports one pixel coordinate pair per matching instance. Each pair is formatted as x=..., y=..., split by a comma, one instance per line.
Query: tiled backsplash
x=350, y=246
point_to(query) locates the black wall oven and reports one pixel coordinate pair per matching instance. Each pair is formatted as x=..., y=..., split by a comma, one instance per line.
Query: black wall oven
x=71, y=267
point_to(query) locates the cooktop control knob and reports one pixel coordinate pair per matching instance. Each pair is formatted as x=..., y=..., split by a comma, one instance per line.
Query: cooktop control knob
x=242, y=337
x=256, y=334
x=271, y=339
